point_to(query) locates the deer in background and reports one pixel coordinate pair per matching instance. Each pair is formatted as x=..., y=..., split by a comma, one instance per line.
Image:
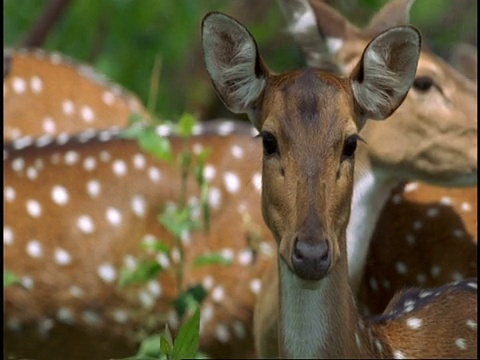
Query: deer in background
x=325, y=35
x=309, y=122
x=44, y=81
x=235, y=180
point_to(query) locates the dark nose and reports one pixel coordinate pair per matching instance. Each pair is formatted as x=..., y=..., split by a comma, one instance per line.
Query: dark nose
x=311, y=259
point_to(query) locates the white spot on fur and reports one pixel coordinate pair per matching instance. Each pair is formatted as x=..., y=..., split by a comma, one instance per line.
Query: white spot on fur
x=214, y=197
x=257, y=181
x=49, y=125
x=414, y=323
x=67, y=107
x=108, y=98
x=93, y=188
x=139, y=161
x=465, y=206
x=62, y=257
x=146, y=299
x=59, y=195
x=222, y=333
x=76, y=291
x=89, y=163
x=91, y=317
x=334, y=44
x=446, y=200
x=421, y=278
x=65, y=316
x=154, y=174
x=461, y=343
x=7, y=235
x=154, y=288
x=113, y=215
x=218, y=294
x=107, y=273
x=119, y=168
x=245, y=257
x=207, y=282
x=36, y=84
x=397, y=354
x=472, y=324
x=237, y=151
x=232, y=182
x=22, y=142
x=412, y=186
x=401, y=268
x=34, y=249
x=85, y=224
x=9, y=193
x=120, y=316
x=435, y=271
x=255, y=286
x=209, y=172
x=27, y=282
x=87, y=114
x=18, y=164
x=433, y=212
x=71, y=157
x=33, y=208
x=19, y=85
x=138, y=206
x=239, y=329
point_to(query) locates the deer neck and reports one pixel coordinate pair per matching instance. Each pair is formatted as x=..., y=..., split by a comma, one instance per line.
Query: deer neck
x=320, y=321
x=371, y=190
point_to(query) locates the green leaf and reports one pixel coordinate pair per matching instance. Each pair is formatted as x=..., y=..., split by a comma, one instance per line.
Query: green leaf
x=156, y=246
x=146, y=270
x=150, y=348
x=213, y=258
x=166, y=342
x=9, y=278
x=156, y=145
x=177, y=221
x=185, y=125
x=189, y=300
x=205, y=207
x=186, y=343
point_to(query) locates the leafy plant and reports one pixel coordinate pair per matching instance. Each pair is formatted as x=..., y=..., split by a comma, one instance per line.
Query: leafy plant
x=9, y=278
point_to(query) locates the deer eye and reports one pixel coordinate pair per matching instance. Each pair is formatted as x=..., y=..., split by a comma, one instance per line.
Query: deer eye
x=269, y=143
x=423, y=83
x=350, y=146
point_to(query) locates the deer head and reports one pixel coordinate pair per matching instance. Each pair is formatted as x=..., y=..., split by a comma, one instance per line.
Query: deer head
x=309, y=122
x=439, y=112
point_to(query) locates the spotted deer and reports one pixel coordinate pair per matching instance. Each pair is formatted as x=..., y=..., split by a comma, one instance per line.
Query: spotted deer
x=309, y=122
x=43, y=80
x=325, y=35
x=80, y=315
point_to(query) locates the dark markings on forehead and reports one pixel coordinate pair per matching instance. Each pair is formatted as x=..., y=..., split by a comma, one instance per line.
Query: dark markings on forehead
x=309, y=93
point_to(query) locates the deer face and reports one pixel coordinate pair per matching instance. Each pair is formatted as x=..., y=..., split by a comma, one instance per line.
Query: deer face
x=308, y=121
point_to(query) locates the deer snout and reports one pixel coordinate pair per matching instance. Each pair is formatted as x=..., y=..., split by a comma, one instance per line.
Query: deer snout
x=311, y=259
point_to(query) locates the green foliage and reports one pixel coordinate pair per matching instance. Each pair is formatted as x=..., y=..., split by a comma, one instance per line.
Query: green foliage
x=189, y=300
x=9, y=278
x=186, y=343
x=212, y=258
x=146, y=270
x=162, y=347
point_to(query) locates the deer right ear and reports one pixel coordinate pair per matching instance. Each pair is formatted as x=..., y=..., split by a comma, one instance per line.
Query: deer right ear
x=233, y=63
x=385, y=72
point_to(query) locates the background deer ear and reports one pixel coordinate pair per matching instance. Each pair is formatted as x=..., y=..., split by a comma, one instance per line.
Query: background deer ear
x=385, y=72
x=464, y=59
x=394, y=13
x=233, y=64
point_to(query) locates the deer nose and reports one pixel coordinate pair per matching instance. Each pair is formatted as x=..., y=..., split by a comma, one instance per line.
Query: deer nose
x=311, y=259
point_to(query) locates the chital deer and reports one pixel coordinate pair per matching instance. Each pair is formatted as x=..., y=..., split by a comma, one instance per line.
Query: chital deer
x=227, y=313
x=316, y=26
x=39, y=97
x=309, y=121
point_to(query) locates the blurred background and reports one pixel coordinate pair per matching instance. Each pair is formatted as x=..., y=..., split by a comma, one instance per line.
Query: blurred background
x=122, y=39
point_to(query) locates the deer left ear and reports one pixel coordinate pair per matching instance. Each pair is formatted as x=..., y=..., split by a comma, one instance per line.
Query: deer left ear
x=233, y=64
x=385, y=73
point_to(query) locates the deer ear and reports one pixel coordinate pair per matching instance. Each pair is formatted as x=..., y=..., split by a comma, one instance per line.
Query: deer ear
x=233, y=63
x=332, y=26
x=394, y=13
x=385, y=73
x=464, y=59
